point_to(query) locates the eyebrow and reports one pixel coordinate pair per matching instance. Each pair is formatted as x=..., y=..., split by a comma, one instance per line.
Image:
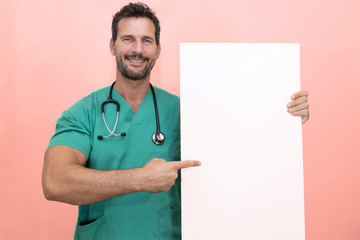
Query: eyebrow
x=126, y=36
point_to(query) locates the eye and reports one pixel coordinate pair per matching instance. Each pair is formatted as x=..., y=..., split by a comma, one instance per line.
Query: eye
x=127, y=39
x=148, y=40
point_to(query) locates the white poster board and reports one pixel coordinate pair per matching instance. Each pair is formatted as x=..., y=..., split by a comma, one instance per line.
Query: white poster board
x=234, y=120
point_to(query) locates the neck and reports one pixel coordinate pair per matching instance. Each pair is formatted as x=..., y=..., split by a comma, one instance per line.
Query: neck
x=133, y=91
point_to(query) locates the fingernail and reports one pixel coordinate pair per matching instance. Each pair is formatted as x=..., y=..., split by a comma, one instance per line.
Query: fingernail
x=288, y=105
x=293, y=97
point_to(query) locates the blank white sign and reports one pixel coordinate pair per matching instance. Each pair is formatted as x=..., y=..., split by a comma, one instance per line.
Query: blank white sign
x=234, y=120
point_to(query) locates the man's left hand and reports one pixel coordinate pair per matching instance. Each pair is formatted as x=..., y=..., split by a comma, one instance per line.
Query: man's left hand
x=299, y=106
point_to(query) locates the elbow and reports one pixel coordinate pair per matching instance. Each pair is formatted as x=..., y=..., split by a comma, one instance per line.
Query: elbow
x=52, y=187
x=56, y=178
x=54, y=192
x=49, y=190
x=49, y=195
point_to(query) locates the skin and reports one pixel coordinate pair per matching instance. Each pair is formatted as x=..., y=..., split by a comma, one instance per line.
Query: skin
x=299, y=106
x=65, y=178
x=135, y=36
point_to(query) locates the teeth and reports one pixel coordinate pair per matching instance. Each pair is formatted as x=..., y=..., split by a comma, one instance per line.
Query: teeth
x=137, y=61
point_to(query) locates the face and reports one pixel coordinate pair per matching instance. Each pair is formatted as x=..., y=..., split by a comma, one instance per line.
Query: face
x=135, y=48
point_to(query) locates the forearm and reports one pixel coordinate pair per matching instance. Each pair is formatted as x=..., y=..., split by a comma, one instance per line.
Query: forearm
x=65, y=178
x=78, y=185
x=81, y=186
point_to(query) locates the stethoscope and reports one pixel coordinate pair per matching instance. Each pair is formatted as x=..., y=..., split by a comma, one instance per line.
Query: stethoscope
x=158, y=137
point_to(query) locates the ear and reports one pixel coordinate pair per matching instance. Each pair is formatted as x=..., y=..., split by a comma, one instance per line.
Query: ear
x=158, y=51
x=111, y=46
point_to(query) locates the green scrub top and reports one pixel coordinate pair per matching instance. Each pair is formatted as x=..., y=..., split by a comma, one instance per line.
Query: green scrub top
x=139, y=215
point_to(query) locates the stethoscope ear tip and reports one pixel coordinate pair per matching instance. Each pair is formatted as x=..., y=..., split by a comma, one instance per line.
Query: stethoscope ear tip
x=100, y=137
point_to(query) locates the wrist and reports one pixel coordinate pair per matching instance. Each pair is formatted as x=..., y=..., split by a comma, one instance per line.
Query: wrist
x=140, y=184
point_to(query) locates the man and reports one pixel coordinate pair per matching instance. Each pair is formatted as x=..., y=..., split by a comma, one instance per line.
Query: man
x=121, y=182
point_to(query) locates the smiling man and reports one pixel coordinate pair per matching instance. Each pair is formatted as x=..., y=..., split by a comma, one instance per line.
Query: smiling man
x=109, y=155
x=134, y=48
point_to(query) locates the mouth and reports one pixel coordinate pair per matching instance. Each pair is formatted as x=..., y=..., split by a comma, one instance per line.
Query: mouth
x=136, y=60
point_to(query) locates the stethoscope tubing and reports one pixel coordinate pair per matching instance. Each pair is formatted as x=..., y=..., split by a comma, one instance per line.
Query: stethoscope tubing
x=158, y=137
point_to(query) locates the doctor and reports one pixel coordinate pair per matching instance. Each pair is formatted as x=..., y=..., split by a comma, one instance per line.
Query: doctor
x=108, y=161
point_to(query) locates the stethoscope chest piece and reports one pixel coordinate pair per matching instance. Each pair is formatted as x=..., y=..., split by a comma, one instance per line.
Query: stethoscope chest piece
x=158, y=138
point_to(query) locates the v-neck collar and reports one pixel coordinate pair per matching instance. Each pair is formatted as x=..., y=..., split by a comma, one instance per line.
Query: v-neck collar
x=126, y=109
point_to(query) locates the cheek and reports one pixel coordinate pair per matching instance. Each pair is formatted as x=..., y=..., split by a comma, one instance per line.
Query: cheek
x=122, y=49
x=153, y=54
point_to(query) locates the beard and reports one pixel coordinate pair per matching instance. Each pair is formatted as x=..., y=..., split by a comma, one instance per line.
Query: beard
x=133, y=75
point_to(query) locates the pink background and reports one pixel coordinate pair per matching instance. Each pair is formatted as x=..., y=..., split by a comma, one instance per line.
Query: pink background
x=53, y=53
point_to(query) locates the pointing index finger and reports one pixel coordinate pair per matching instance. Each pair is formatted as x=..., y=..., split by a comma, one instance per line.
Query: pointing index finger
x=186, y=164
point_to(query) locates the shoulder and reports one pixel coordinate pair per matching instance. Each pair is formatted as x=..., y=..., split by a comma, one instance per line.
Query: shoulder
x=93, y=97
x=168, y=105
x=166, y=97
x=85, y=104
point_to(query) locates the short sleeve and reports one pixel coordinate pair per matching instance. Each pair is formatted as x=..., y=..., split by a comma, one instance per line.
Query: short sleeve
x=73, y=129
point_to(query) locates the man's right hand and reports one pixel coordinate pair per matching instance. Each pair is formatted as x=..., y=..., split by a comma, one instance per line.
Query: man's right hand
x=160, y=175
x=65, y=179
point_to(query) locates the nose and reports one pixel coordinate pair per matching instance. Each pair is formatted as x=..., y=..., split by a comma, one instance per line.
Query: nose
x=138, y=48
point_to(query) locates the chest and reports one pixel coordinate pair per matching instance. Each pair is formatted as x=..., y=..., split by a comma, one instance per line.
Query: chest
x=136, y=148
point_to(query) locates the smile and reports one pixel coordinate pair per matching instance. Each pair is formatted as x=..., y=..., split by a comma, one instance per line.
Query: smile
x=136, y=60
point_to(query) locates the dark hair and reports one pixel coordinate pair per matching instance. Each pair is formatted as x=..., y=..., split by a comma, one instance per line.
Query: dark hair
x=135, y=10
